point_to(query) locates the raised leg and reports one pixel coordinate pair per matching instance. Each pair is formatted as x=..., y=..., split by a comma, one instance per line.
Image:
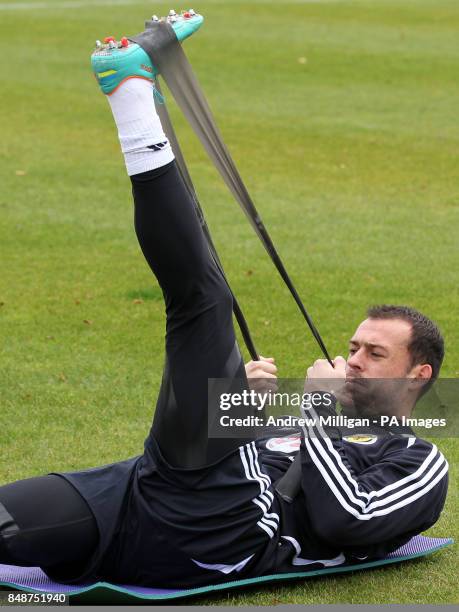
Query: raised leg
x=200, y=339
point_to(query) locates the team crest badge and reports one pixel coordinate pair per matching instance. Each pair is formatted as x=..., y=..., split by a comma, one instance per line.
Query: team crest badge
x=361, y=438
x=287, y=444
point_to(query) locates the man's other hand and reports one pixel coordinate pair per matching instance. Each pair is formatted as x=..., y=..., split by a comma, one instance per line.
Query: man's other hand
x=322, y=377
x=262, y=375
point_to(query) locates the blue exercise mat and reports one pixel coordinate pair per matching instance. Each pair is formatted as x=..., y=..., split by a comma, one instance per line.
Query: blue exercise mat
x=32, y=579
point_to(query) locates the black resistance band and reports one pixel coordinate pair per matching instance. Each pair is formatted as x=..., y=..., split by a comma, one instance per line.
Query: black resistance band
x=160, y=43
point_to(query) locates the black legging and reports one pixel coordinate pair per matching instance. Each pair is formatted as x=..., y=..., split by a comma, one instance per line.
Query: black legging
x=200, y=337
x=44, y=521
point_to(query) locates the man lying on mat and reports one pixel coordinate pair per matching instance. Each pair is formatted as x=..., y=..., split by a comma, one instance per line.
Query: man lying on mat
x=192, y=510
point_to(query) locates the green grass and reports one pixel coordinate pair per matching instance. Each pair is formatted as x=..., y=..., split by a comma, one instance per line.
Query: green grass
x=351, y=156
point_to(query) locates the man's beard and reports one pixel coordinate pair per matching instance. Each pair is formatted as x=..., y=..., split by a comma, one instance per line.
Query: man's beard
x=370, y=397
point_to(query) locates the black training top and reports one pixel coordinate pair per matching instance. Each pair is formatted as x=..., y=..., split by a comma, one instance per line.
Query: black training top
x=363, y=494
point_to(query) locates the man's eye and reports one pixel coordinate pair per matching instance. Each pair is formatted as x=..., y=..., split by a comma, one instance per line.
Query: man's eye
x=352, y=351
x=376, y=355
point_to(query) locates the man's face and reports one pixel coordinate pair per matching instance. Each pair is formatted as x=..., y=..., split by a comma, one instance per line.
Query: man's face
x=379, y=349
x=378, y=359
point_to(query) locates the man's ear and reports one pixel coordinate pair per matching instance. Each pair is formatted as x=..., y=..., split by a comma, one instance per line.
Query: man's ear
x=420, y=374
x=421, y=371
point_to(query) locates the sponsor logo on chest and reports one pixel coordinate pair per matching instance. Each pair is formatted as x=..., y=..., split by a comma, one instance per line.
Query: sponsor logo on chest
x=361, y=438
x=287, y=444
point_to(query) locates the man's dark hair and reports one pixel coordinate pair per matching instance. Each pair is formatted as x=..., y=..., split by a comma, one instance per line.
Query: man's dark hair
x=426, y=344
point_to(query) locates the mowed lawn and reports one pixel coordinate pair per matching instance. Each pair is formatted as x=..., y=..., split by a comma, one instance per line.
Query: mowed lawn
x=342, y=117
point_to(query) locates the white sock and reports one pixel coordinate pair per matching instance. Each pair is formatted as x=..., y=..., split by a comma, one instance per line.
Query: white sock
x=139, y=127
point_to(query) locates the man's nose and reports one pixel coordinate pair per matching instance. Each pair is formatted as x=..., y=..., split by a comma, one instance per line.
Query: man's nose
x=355, y=361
